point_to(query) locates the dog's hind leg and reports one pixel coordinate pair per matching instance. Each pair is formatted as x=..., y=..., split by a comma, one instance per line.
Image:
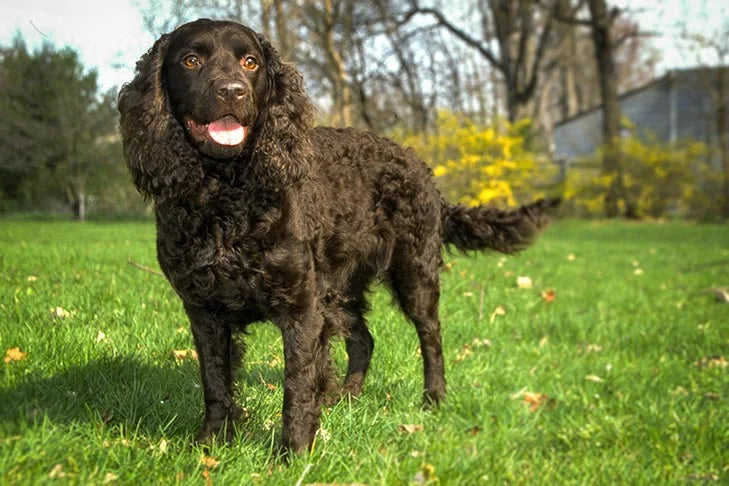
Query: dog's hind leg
x=360, y=344
x=414, y=280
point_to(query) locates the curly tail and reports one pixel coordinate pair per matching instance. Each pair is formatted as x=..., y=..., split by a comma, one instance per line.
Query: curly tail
x=506, y=231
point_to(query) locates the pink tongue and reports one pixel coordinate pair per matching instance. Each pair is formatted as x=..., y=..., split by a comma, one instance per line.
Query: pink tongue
x=226, y=131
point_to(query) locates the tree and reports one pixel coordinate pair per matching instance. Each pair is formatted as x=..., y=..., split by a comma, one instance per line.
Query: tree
x=53, y=123
x=715, y=43
x=601, y=22
x=516, y=35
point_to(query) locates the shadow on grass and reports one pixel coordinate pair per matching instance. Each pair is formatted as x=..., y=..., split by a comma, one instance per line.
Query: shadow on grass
x=141, y=398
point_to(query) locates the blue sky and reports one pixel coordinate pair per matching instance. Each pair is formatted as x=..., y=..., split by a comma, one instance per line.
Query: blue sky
x=110, y=35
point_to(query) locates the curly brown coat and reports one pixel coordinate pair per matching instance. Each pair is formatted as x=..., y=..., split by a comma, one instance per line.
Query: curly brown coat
x=260, y=216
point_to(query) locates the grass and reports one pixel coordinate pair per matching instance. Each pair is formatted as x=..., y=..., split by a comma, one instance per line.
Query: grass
x=621, y=378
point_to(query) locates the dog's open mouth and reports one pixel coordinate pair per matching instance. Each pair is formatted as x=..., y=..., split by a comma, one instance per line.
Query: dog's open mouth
x=225, y=131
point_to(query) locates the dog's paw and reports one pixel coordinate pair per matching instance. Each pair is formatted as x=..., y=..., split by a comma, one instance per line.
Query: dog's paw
x=219, y=427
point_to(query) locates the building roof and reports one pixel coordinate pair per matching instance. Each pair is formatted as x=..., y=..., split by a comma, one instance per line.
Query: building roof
x=671, y=74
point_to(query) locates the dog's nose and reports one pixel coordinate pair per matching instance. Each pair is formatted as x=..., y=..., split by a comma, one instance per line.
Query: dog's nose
x=231, y=91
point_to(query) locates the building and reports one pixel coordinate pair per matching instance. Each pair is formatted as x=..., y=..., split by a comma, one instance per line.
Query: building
x=682, y=104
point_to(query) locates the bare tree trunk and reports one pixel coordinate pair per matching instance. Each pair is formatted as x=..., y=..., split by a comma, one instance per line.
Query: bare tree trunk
x=722, y=131
x=282, y=21
x=601, y=23
x=342, y=94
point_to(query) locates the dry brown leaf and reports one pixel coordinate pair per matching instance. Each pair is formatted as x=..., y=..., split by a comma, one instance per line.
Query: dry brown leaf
x=722, y=295
x=594, y=378
x=592, y=348
x=571, y=257
x=206, y=476
x=524, y=282
x=535, y=400
x=209, y=462
x=499, y=311
x=110, y=478
x=14, y=354
x=464, y=353
x=481, y=343
x=57, y=472
x=183, y=354
x=410, y=428
x=475, y=430
x=60, y=313
x=549, y=295
x=426, y=475
x=712, y=362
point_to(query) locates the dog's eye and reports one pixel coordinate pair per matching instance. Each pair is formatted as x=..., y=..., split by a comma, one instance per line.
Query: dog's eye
x=191, y=61
x=250, y=63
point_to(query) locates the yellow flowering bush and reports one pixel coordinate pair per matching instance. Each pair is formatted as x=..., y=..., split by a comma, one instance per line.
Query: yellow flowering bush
x=659, y=179
x=475, y=165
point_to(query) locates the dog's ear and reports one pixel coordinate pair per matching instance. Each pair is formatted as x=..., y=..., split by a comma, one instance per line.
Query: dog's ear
x=283, y=146
x=157, y=154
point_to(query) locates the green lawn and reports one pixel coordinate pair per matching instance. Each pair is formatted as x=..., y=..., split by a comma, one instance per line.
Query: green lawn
x=622, y=377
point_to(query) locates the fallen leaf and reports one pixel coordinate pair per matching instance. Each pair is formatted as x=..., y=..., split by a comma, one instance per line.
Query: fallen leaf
x=712, y=362
x=426, y=475
x=162, y=447
x=206, y=477
x=14, y=354
x=464, y=353
x=571, y=257
x=410, y=428
x=499, y=311
x=535, y=400
x=638, y=271
x=32, y=278
x=183, y=354
x=544, y=341
x=100, y=336
x=722, y=295
x=592, y=348
x=110, y=478
x=209, y=462
x=524, y=282
x=479, y=343
x=594, y=378
x=57, y=472
x=60, y=313
x=475, y=430
x=549, y=295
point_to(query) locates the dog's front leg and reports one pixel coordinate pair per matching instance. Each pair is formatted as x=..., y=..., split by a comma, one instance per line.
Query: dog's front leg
x=213, y=342
x=306, y=377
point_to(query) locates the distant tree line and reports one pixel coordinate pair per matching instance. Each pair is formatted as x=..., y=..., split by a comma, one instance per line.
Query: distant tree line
x=59, y=146
x=390, y=66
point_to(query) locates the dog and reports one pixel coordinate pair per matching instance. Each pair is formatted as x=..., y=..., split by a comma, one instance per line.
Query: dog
x=262, y=216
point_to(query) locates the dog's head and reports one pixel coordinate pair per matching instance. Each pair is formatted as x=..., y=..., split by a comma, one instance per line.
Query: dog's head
x=216, y=79
x=212, y=90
